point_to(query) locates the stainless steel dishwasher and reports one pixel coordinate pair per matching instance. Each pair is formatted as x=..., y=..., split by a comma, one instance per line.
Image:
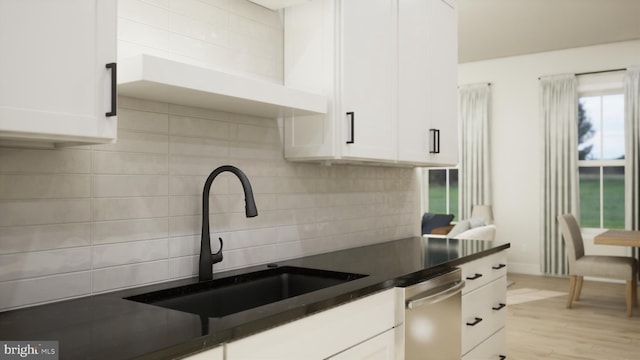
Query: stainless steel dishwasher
x=433, y=317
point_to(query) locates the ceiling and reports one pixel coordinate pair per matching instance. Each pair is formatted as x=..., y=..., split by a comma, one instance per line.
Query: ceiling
x=498, y=28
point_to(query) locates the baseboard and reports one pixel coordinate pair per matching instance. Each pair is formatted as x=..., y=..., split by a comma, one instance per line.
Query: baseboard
x=521, y=268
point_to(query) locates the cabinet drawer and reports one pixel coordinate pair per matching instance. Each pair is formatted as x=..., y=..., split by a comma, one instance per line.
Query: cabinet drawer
x=483, y=271
x=483, y=313
x=491, y=349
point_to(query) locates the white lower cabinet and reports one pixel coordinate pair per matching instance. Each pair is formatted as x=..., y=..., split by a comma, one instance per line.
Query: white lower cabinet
x=484, y=302
x=211, y=354
x=492, y=348
x=381, y=347
x=352, y=331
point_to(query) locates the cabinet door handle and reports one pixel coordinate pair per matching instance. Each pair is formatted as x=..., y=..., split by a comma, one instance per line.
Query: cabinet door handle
x=502, y=357
x=352, y=119
x=498, y=267
x=500, y=306
x=475, y=322
x=114, y=84
x=435, y=141
x=474, y=276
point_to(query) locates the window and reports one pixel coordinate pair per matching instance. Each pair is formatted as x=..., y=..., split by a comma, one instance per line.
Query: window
x=441, y=191
x=601, y=160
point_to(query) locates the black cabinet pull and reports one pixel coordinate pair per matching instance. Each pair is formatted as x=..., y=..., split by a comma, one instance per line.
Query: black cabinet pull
x=498, y=267
x=435, y=141
x=500, y=306
x=502, y=357
x=475, y=322
x=352, y=118
x=474, y=276
x=114, y=84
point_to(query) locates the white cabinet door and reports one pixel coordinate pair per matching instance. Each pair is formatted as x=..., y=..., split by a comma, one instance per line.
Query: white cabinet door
x=368, y=79
x=443, y=65
x=55, y=84
x=427, y=101
x=323, y=334
x=346, y=50
x=381, y=347
x=211, y=354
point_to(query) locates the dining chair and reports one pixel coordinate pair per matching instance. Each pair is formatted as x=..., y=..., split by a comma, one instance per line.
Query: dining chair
x=604, y=266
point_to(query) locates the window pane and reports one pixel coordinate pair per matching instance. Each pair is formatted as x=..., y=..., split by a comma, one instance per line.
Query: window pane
x=589, y=136
x=453, y=193
x=438, y=191
x=613, y=197
x=613, y=127
x=589, y=197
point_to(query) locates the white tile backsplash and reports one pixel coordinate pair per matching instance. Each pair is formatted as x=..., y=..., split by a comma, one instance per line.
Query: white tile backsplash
x=122, y=215
x=16, y=239
x=235, y=35
x=43, y=212
x=32, y=291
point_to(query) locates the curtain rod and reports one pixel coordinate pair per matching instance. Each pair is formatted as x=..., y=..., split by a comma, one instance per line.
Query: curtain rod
x=480, y=83
x=600, y=71
x=594, y=72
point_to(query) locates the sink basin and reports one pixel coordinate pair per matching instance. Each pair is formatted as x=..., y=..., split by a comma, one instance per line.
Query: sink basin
x=226, y=296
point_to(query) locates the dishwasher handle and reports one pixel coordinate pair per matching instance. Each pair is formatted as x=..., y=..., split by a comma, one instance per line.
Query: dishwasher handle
x=435, y=295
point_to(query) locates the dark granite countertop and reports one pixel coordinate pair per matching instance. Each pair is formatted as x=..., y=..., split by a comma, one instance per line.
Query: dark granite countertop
x=109, y=327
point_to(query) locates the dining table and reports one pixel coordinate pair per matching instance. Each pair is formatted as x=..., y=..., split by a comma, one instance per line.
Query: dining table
x=618, y=237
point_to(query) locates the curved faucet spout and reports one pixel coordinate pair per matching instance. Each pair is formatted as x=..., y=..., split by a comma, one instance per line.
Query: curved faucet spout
x=207, y=259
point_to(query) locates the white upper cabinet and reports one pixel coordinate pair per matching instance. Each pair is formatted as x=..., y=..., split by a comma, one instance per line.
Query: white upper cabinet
x=428, y=59
x=388, y=68
x=57, y=71
x=367, y=79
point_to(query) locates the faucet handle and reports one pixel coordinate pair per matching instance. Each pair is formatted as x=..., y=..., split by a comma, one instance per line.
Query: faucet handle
x=217, y=257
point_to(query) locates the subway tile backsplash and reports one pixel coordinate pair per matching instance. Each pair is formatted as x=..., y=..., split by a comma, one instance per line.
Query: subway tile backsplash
x=84, y=220
x=234, y=35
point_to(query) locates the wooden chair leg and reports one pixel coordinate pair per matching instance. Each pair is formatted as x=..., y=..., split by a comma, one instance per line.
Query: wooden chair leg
x=634, y=293
x=578, y=288
x=572, y=290
x=630, y=289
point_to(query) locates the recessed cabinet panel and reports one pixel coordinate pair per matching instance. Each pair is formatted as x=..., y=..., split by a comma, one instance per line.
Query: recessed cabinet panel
x=368, y=79
x=427, y=101
x=56, y=85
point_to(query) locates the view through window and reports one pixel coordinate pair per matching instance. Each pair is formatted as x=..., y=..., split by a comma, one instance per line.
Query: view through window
x=442, y=191
x=601, y=160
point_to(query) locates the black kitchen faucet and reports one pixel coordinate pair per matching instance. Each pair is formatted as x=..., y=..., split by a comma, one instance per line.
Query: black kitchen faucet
x=207, y=259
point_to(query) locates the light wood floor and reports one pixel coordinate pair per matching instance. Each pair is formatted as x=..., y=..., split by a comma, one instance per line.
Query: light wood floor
x=596, y=327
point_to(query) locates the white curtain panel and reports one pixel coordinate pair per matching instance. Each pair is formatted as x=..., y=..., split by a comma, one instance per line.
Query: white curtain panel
x=632, y=148
x=474, y=176
x=558, y=111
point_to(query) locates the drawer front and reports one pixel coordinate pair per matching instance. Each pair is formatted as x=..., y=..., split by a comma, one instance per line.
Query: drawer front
x=494, y=348
x=483, y=271
x=483, y=313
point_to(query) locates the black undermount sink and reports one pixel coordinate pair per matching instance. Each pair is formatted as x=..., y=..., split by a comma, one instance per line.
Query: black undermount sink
x=226, y=296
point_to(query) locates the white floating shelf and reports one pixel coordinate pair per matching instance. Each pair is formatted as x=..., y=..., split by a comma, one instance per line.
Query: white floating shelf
x=278, y=4
x=155, y=78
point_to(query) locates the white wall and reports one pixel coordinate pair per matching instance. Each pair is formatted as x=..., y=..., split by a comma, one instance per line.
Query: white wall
x=515, y=135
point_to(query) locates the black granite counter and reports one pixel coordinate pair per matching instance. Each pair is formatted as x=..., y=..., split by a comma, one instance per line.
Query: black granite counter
x=110, y=327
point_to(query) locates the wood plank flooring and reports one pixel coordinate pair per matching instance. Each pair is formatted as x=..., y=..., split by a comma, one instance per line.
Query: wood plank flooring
x=596, y=327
